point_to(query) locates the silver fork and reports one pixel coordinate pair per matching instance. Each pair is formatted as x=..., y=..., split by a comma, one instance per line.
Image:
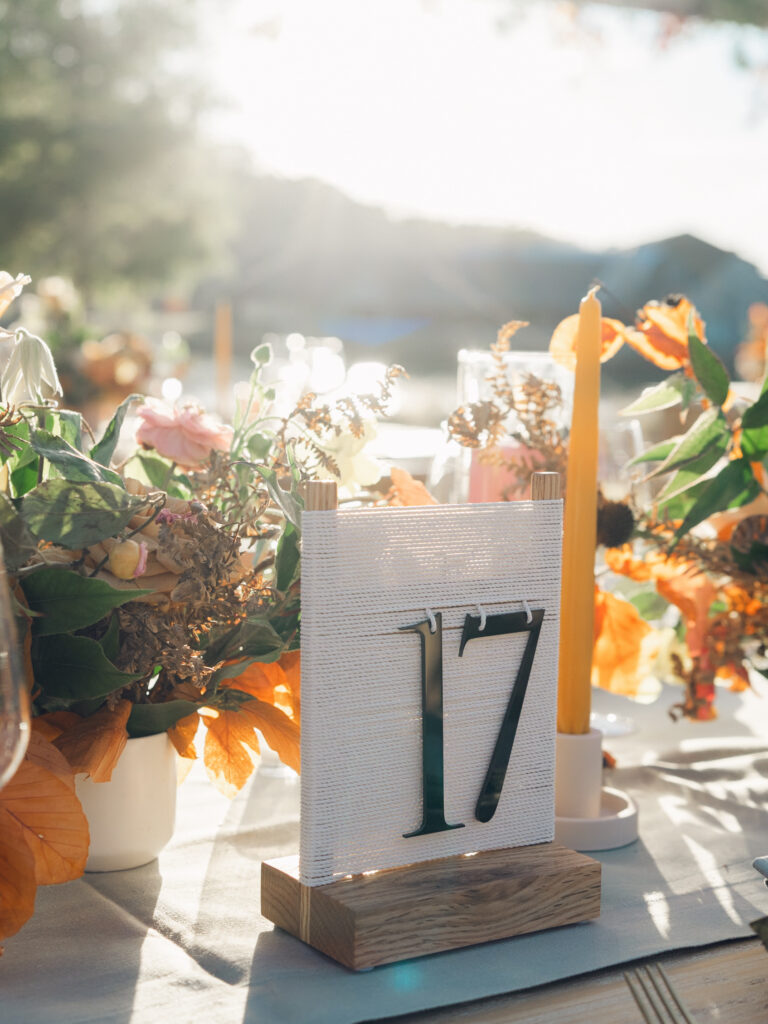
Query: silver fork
x=656, y=997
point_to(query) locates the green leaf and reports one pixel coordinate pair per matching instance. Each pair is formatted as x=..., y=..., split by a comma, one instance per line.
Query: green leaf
x=104, y=449
x=709, y=431
x=757, y=414
x=692, y=472
x=24, y=477
x=160, y=473
x=657, y=453
x=70, y=463
x=71, y=427
x=75, y=515
x=678, y=506
x=18, y=543
x=149, y=719
x=110, y=642
x=75, y=668
x=754, y=443
x=287, y=558
x=709, y=370
x=259, y=446
x=662, y=396
x=16, y=438
x=289, y=502
x=733, y=487
x=252, y=638
x=67, y=601
x=650, y=604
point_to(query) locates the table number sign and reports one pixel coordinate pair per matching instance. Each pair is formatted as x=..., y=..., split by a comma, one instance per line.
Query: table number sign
x=429, y=676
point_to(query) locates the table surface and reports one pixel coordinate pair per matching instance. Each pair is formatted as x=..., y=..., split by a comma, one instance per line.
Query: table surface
x=183, y=939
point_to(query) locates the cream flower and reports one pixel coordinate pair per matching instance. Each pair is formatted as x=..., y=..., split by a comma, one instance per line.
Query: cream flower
x=30, y=374
x=10, y=287
x=356, y=468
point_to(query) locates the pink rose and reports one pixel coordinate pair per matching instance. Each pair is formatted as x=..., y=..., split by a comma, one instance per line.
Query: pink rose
x=184, y=434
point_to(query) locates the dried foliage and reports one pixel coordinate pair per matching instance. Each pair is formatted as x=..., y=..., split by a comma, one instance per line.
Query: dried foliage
x=523, y=411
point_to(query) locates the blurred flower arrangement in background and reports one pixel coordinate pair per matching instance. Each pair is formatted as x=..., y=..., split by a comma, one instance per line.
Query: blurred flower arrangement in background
x=688, y=599
x=158, y=592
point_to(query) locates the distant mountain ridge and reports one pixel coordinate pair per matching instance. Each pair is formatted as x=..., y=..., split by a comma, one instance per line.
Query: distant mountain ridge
x=310, y=259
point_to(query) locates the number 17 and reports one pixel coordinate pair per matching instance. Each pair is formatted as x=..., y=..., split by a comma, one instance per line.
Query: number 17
x=433, y=781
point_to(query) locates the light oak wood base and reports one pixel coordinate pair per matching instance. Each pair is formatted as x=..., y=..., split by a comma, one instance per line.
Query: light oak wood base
x=366, y=920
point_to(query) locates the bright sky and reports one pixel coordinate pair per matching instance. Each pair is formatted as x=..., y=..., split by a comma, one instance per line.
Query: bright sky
x=588, y=131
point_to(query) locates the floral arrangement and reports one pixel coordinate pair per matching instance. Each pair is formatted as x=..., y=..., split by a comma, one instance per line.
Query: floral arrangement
x=694, y=606
x=156, y=588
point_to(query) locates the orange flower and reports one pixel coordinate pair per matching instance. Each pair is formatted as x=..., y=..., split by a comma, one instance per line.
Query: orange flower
x=680, y=582
x=624, y=648
x=408, y=491
x=562, y=346
x=661, y=334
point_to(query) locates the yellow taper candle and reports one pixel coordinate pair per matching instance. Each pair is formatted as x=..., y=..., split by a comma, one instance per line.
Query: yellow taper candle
x=577, y=605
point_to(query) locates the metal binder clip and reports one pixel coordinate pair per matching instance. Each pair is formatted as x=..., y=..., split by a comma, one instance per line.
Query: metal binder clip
x=432, y=620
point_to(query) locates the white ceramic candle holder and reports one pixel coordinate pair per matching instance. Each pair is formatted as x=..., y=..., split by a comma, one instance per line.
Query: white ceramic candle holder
x=589, y=816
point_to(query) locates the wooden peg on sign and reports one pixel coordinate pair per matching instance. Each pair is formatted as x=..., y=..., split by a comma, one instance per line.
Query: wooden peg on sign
x=319, y=495
x=545, y=486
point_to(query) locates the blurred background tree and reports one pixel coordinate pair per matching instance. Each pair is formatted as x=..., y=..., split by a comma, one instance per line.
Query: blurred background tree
x=101, y=172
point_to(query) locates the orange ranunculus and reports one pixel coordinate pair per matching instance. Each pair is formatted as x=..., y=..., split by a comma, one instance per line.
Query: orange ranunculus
x=742, y=602
x=408, y=491
x=562, y=345
x=678, y=581
x=185, y=434
x=661, y=331
x=624, y=645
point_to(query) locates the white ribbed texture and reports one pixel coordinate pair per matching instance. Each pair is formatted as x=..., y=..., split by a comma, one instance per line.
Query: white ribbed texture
x=364, y=574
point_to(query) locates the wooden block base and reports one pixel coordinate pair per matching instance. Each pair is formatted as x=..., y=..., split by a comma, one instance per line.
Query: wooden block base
x=377, y=918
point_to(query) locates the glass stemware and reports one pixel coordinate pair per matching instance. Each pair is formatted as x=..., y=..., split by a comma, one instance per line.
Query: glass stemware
x=14, y=698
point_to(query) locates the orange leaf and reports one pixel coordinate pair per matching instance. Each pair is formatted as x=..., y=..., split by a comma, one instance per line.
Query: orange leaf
x=562, y=345
x=95, y=744
x=291, y=665
x=44, y=754
x=182, y=735
x=54, y=723
x=228, y=740
x=52, y=821
x=408, y=491
x=661, y=333
x=279, y=731
x=622, y=655
x=260, y=679
x=17, y=876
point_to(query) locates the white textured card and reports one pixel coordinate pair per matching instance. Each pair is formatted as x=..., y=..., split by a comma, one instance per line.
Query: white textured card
x=366, y=574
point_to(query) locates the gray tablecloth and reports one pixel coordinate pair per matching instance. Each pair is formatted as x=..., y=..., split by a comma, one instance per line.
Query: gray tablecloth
x=182, y=939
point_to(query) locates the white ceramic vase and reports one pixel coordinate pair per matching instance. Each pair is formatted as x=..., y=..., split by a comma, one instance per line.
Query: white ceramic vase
x=131, y=817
